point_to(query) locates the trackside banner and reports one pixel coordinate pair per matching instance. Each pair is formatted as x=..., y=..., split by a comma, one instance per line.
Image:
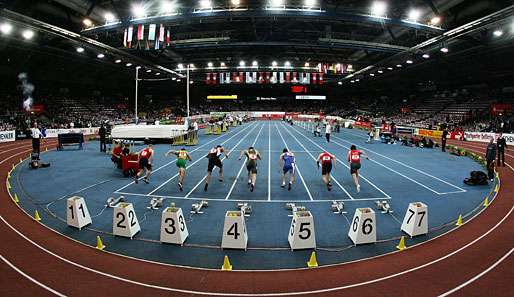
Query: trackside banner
x=52, y=133
x=7, y=136
x=486, y=136
x=429, y=133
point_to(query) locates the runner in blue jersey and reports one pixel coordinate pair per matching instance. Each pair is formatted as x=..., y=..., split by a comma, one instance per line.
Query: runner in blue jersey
x=289, y=167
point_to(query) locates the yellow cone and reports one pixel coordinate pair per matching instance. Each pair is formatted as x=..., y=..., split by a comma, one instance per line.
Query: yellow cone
x=13, y=167
x=497, y=188
x=8, y=185
x=226, y=264
x=37, y=217
x=46, y=149
x=486, y=202
x=459, y=221
x=15, y=198
x=313, y=262
x=401, y=245
x=99, y=244
x=21, y=160
x=9, y=175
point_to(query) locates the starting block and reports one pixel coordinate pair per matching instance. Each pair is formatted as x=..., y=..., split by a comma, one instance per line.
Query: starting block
x=245, y=208
x=112, y=202
x=155, y=203
x=234, y=231
x=173, y=226
x=294, y=208
x=337, y=207
x=383, y=206
x=415, y=221
x=77, y=214
x=197, y=207
x=124, y=220
x=301, y=233
x=363, y=229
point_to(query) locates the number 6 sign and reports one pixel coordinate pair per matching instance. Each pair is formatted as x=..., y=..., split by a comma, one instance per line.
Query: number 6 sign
x=415, y=221
x=363, y=227
x=124, y=220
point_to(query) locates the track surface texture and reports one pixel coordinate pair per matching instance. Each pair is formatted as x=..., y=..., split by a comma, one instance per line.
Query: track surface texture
x=474, y=260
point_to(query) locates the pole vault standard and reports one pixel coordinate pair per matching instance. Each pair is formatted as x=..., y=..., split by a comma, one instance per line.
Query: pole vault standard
x=137, y=84
x=187, y=90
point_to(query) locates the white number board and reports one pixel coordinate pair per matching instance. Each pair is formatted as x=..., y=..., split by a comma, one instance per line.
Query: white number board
x=77, y=214
x=124, y=220
x=301, y=234
x=415, y=221
x=363, y=226
x=234, y=231
x=173, y=226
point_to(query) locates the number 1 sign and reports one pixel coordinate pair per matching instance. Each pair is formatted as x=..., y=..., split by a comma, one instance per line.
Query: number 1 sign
x=77, y=214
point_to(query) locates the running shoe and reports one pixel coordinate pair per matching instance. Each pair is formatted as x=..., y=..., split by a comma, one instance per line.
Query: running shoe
x=283, y=185
x=358, y=188
x=289, y=186
x=146, y=180
x=136, y=180
x=180, y=187
x=205, y=188
x=252, y=187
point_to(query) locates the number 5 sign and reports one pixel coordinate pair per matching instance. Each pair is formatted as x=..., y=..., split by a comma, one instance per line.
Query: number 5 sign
x=301, y=233
x=173, y=226
x=363, y=227
x=415, y=221
x=77, y=214
x=124, y=220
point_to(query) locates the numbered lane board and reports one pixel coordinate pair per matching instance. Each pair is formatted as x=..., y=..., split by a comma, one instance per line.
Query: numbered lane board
x=415, y=221
x=173, y=226
x=363, y=226
x=77, y=214
x=301, y=234
x=124, y=220
x=234, y=231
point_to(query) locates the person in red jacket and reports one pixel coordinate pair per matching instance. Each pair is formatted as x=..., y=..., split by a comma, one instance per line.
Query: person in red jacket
x=145, y=163
x=354, y=158
x=326, y=160
x=116, y=154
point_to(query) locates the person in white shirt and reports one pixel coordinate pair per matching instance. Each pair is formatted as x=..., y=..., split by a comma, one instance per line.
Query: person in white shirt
x=328, y=130
x=36, y=139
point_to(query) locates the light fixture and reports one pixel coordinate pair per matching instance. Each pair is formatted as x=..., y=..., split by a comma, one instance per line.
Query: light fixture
x=191, y=82
x=100, y=56
x=149, y=70
x=192, y=66
x=210, y=64
x=5, y=28
x=352, y=81
x=138, y=10
x=87, y=22
x=158, y=73
x=236, y=2
x=498, y=33
x=117, y=61
x=173, y=78
x=340, y=82
x=426, y=56
x=378, y=8
x=357, y=79
x=414, y=15
x=205, y=4
x=27, y=34
x=109, y=17
x=389, y=68
x=307, y=64
x=310, y=3
x=242, y=63
x=277, y=2
x=179, y=80
x=380, y=71
x=287, y=64
x=435, y=20
x=399, y=65
x=371, y=74
x=274, y=63
x=180, y=66
x=409, y=62
x=222, y=64
x=80, y=49
x=255, y=64
x=128, y=64
x=167, y=7
x=444, y=49
x=350, y=66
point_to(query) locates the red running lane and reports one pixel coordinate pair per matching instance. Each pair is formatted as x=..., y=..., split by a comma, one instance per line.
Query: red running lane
x=434, y=279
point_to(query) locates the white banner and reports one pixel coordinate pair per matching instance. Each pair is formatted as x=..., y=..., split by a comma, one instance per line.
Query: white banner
x=486, y=136
x=7, y=136
x=310, y=97
x=52, y=133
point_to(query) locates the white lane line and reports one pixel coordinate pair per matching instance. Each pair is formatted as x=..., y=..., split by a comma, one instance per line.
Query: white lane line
x=478, y=275
x=269, y=161
x=199, y=159
x=193, y=292
x=408, y=166
x=242, y=165
x=297, y=168
x=35, y=281
x=223, y=159
x=346, y=165
x=314, y=158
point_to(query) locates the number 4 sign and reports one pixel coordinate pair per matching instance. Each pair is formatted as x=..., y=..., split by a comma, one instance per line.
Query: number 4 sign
x=77, y=214
x=173, y=226
x=363, y=229
x=301, y=233
x=124, y=220
x=234, y=231
x=415, y=221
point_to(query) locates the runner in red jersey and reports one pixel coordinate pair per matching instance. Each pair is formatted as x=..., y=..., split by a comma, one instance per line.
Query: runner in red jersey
x=145, y=163
x=354, y=158
x=326, y=160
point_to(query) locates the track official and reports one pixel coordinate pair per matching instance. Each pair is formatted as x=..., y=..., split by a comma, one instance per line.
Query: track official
x=36, y=139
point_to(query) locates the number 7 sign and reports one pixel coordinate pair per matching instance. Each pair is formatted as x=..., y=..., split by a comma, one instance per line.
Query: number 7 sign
x=415, y=221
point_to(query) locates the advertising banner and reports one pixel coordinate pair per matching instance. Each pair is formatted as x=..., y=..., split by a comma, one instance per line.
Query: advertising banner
x=430, y=133
x=486, y=136
x=7, y=136
x=53, y=133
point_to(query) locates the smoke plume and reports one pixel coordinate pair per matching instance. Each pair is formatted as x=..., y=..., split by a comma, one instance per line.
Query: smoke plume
x=27, y=88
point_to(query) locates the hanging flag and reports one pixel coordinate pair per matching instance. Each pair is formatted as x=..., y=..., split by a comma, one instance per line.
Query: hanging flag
x=241, y=77
x=157, y=42
x=281, y=75
x=295, y=77
x=151, y=32
x=214, y=78
x=161, y=33
x=321, y=78
x=140, y=31
x=314, y=78
x=307, y=78
x=168, y=38
x=129, y=35
x=208, y=79
x=288, y=77
x=274, y=78
x=248, y=79
x=125, y=38
x=222, y=78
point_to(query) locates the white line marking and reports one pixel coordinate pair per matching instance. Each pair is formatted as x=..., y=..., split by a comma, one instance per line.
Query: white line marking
x=314, y=158
x=408, y=166
x=345, y=165
x=31, y=278
x=479, y=275
x=233, y=148
x=242, y=166
x=297, y=169
x=199, y=159
x=269, y=161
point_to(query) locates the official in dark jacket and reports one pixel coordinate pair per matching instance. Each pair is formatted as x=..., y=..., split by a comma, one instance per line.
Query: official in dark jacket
x=490, y=156
x=501, y=145
x=102, y=132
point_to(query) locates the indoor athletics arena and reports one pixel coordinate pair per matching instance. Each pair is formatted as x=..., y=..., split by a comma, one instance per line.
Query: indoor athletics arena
x=257, y=148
